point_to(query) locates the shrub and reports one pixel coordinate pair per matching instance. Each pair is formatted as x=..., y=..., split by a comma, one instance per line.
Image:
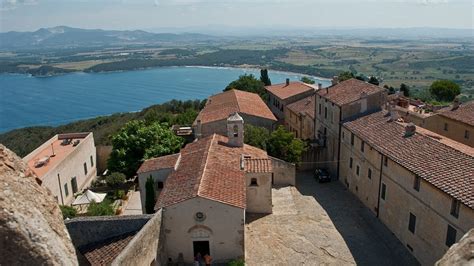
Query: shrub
x=115, y=179
x=100, y=209
x=68, y=211
x=120, y=194
x=236, y=262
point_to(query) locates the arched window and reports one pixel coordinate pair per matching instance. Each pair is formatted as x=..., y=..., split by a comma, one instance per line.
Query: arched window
x=236, y=131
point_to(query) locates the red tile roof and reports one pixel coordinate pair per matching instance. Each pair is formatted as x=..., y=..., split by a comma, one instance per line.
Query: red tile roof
x=348, y=91
x=443, y=165
x=105, y=252
x=221, y=105
x=163, y=162
x=284, y=91
x=210, y=169
x=304, y=106
x=253, y=165
x=464, y=113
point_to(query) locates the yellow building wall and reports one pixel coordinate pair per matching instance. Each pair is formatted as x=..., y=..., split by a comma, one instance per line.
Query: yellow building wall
x=430, y=205
x=456, y=130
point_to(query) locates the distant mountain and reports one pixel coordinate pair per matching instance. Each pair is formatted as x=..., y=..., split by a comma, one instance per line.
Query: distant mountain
x=63, y=36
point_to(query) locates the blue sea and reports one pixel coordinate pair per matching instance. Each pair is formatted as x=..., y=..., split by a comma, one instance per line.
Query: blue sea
x=31, y=101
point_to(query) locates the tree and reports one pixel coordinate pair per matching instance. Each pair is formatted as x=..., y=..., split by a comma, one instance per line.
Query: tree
x=345, y=75
x=137, y=141
x=445, y=90
x=307, y=80
x=374, y=80
x=282, y=144
x=390, y=89
x=405, y=90
x=248, y=83
x=68, y=211
x=150, y=195
x=100, y=209
x=256, y=136
x=264, y=77
x=115, y=179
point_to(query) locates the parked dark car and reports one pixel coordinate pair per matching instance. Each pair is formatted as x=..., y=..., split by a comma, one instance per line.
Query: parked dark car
x=322, y=175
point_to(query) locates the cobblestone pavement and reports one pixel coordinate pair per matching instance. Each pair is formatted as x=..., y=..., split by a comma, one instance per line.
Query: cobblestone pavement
x=314, y=224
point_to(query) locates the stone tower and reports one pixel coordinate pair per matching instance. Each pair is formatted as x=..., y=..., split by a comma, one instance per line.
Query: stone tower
x=235, y=130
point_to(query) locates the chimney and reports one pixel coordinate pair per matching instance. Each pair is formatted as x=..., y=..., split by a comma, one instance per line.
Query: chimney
x=392, y=112
x=320, y=86
x=327, y=90
x=456, y=104
x=410, y=130
x=335, y=80
x=287, y=81
x=198, y=133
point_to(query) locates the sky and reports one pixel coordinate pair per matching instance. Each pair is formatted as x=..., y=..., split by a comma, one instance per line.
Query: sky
x=30, y=15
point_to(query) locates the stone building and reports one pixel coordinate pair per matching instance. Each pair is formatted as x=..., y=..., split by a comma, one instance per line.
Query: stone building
x=211, y=186
x=455, y=122
x=65, y=164
x=341, y=102
x=280, y=95
x=418, y=183
x=213, y=117
x=299, y=118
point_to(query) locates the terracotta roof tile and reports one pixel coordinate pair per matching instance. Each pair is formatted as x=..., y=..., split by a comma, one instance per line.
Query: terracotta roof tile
x=256, y=165
x=348, y=91
x=284, y=91
x=168, y=161
x=306, y=106
x=221, y=105
x=209, y=168
x=445, y=166
x=104, y=252
x=464, y=113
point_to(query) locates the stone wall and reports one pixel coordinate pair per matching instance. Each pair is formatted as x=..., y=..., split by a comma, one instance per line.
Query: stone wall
x=284, y=173
x=87, y=230
x=259, y=196
x=143, y=249
x=220, y=126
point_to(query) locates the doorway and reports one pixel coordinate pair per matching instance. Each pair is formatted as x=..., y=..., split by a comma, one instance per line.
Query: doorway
x=201, y=247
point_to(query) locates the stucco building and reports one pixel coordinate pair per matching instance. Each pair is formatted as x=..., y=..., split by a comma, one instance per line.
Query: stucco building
x=341, y=102
x=208, y=187
x=213, y=117
x=283, y=94
x=455, y=122
x=299, y=118
x=418, y=183
x=65, y=164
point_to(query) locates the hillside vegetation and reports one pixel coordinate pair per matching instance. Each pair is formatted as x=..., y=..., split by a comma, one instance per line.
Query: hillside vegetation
x=23, y=141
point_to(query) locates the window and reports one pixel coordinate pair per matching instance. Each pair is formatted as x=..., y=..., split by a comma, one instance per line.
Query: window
x=236, y=131
x=384, y=188
x=74, y=185
x=320, y=108
x=412, y=223
x=66, y=190
x=357, y=170
x=92, y=161
x=416, y=184
x=325, y=112
x=362, y=146
x=160, y=185
x=85, y=169
x=445, y=126
x=350, y=163
x=455, y=204
x=342, y=135
x=352, y=139
x=385, y=161
x=253, y=182
x=369, y=174
x=466, y=134
x=450, y=236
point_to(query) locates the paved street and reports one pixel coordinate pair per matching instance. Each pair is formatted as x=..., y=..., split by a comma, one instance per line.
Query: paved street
x=315, y=224
x=134, y=205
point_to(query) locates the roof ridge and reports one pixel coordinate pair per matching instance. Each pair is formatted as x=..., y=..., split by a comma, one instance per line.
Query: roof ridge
x=237, y=100
x=208, y=149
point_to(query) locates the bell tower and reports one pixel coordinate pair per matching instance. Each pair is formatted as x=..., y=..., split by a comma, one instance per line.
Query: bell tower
x=235, y=130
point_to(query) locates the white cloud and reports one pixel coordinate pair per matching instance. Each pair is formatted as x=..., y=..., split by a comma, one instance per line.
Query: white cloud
x=13, y=4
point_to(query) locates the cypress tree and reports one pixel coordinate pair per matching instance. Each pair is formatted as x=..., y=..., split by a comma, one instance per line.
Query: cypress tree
x=264, y=77
x=150, y=195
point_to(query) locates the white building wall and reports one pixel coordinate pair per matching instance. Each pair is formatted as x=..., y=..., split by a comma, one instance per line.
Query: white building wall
x=226, y=234
x=158, y=176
